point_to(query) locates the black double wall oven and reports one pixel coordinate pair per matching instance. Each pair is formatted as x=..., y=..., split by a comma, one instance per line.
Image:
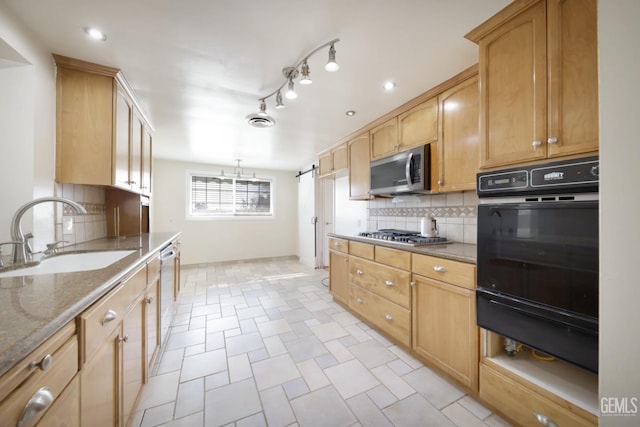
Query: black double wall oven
x=538, y=258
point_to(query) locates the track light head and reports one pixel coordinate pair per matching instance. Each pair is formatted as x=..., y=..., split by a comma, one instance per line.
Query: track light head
x=332, y=65
x=306, y=78
x=291, y=93
x=279, y=104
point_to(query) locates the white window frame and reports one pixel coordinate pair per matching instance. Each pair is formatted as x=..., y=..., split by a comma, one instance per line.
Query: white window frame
x=190, y=215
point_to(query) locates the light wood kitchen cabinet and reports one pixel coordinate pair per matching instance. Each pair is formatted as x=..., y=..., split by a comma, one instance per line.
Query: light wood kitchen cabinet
x=339, y=276
x=40, y=388
x=99, y=127
x=333, y=161
x=384, y=139
x=443, y=315
x=459, y=141
x=359, y=167
x=152, y=312
x=65, y=410
x=113, y=352
x=539, y=85
x=388, y=282
x=419, y=125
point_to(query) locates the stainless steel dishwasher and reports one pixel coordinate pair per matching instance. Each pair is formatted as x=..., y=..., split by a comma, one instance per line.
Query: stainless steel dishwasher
x=167, y=297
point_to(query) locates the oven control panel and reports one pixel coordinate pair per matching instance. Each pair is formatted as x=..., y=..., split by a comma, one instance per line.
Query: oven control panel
x=572, y=176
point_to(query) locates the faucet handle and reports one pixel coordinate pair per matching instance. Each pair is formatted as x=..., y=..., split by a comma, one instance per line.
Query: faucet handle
x=52, y=248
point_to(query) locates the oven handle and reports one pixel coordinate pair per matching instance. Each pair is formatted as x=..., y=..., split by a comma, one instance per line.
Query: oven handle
x=536, y=315
x=407, y=169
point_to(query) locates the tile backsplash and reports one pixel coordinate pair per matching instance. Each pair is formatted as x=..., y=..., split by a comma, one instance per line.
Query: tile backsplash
x=85, y=227
x=455, y=213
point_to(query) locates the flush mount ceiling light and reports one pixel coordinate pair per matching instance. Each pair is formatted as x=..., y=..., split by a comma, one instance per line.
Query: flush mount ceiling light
x=95, y=33
x=350, y=113
x=261, y=119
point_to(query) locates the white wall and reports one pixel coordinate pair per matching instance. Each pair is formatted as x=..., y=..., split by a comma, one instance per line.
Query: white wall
x=223, y=239
x=27, y=128
x=619, y=62
x=350, y=215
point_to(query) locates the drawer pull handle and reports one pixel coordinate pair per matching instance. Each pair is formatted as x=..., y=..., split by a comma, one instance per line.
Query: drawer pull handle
x=359, y=300
x=149, y=300
x=544, y=420
x=439, y=269
x=38, y=403
x=360, y=272
x=44, y=364
x=388, y=282
x=388, y=317
x=552, y=140
x=109, y=316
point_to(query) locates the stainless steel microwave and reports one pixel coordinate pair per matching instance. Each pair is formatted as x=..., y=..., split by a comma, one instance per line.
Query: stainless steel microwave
x=402, y=173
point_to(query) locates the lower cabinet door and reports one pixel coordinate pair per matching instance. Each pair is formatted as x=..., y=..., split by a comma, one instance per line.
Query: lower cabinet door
x=444, y=328
x=133, y=357
x=99, y=381
x=339, y=276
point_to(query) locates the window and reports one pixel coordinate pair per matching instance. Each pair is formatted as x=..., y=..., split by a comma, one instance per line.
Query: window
x=216, y=196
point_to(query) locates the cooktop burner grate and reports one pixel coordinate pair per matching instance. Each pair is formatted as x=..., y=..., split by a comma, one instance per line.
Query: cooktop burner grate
x=406, y=237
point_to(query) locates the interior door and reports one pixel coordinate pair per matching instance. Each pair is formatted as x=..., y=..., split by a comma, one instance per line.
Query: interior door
x=326, y=220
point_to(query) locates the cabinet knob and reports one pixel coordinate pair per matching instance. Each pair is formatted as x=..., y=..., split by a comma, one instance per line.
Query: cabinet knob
x=388, y=282
x=388, y=317
x=439, y=269
x=337, y=244
x=149, y=300
x=124, y=338
x=537, y=143
x=412, y=284
x=44, y=364
x=359, y=300
x=109, y=316
x=552, y=140
x=38, y=403
x=440, y=182
x=346, y=260
x=544, y=420
x=359, y=272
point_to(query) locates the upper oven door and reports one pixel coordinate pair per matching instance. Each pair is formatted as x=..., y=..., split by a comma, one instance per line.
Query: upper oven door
x=546, y=252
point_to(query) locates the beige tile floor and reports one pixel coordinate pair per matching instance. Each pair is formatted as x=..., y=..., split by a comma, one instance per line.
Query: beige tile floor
x=263, y=344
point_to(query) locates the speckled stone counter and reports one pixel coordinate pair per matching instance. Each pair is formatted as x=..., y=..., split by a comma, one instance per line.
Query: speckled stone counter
x=32, y=308
x=454, y=251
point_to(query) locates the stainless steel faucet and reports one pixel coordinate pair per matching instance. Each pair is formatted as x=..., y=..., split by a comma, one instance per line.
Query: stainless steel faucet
x=22, y=252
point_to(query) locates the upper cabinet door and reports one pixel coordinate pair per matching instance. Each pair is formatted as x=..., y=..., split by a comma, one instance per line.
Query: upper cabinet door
x=459, y=137
x=122, y=143
x=573, y=70
x=419, y=125
x=136, y=153
x=359, y=171
x=146, y=161
x=513, y=94
x=384, y=139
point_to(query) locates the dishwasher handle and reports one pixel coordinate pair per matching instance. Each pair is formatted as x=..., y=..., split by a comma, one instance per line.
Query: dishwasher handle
x=167, y=255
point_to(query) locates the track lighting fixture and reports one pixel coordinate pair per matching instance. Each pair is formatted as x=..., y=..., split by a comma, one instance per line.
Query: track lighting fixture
x=261, y=119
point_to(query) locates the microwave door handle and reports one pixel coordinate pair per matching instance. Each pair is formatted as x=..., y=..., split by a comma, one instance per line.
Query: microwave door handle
x=407, y=169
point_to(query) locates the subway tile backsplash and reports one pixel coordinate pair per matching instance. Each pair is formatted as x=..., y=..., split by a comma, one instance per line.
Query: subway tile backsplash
x=455, y=213
x=87, y=227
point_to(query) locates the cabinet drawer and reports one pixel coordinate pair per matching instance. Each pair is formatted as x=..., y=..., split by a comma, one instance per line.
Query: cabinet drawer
x=391, y=318
x=340, y=245
x=393, y=258
x=97, y=322
x=23, y=370
x=388, y=282
x=363, y=250
x=454, y=272
x=134, y=285
x=520, y=403
x=55, y=378
x=65, y=411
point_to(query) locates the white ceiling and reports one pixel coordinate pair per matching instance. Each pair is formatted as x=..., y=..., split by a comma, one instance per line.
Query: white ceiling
x=199, y=66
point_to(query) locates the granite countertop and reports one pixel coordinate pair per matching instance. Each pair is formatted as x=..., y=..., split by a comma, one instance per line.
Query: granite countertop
x=463, y=252
x=33, y=308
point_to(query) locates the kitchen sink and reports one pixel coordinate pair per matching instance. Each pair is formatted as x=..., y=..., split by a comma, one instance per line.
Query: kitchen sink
x=70, y=262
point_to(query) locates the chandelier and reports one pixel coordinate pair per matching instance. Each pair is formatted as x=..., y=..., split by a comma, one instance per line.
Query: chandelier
x=261, y=119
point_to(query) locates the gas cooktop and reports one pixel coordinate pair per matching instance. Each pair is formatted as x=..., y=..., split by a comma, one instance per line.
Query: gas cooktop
x=404, y=237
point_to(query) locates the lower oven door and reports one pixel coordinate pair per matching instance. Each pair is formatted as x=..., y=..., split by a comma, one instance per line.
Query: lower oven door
x=565, y=335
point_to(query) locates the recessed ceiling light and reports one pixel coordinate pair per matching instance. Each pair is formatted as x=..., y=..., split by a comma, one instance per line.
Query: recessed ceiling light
x=95, y=34
x=389, y=85
x=350, y=113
